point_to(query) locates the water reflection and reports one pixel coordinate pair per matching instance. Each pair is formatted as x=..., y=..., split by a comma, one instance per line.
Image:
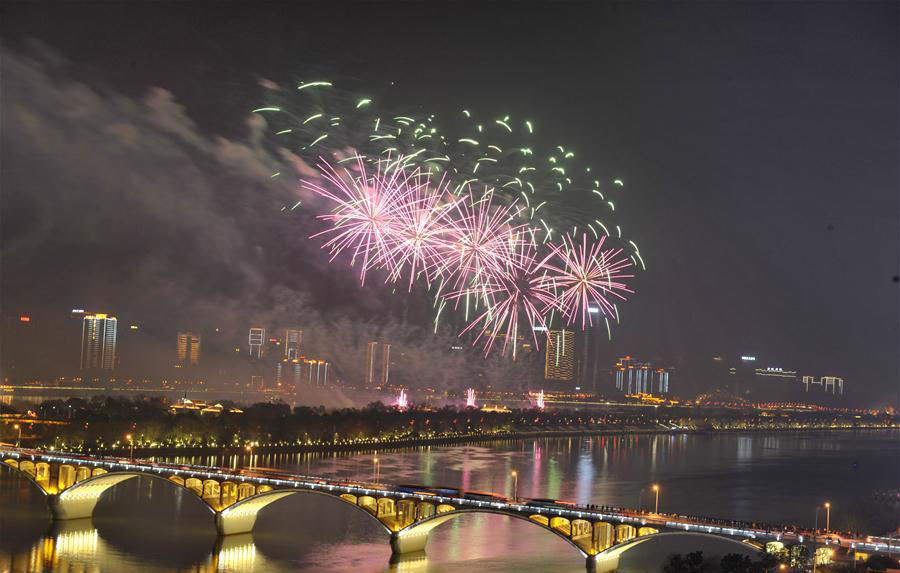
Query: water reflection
x=142, y=527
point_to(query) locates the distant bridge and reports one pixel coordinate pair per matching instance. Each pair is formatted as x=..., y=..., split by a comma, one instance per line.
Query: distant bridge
x=73, y=485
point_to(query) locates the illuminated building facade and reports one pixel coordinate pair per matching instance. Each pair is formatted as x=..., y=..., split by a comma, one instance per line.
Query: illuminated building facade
x=188, y=348
x=385, y=363
x=98, y=342
x=292, y=339
x=257, y=342
x=776, y=372
x=559, y=363
x=835, y=384
x=370, y=363
x=742, y=375
x=288, y=373
x=640, y=377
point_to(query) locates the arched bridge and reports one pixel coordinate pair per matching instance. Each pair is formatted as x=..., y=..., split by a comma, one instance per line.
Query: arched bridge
x=73, y=486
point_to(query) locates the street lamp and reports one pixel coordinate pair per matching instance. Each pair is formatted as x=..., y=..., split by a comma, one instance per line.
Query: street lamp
x=249, y=449
x=19, y=428
x=375, y=466
x=827, y=516
x=515, y=476
x=130, y=439
x=656, y=489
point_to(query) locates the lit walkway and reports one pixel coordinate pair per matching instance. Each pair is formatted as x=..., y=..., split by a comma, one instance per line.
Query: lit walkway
x=73, y=484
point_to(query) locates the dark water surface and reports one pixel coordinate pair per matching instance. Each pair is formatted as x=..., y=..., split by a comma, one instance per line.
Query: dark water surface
x=146, y=526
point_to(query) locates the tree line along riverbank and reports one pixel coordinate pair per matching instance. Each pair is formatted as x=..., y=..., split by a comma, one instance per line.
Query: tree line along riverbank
x=113, y=425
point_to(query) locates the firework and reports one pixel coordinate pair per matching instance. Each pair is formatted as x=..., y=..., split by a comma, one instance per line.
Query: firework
x=470, y=398
x=586, y=277
x=515, y=232
x=366, y=211
x=516, y=291
x=468, y=149
x=418, y=230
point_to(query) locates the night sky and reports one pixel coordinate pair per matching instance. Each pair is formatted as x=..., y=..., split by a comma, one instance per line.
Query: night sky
x=758, y=143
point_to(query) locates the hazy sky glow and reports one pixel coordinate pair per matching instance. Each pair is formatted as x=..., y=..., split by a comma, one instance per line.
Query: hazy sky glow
x=758, y=143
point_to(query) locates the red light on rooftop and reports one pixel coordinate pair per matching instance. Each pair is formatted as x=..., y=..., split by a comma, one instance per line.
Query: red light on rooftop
x=24, y=318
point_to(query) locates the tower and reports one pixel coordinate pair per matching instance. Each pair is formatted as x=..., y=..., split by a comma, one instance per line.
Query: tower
x=370, y=364
x=292, y=339
x=559, y=362
x=188, y=348
x=385, y=363
x=257, y=340
x=98, y=342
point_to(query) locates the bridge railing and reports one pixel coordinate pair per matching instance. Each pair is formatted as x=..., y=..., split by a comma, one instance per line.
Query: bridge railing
x=263, y=476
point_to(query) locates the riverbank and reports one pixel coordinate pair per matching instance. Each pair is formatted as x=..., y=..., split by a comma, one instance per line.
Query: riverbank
x=485, y=438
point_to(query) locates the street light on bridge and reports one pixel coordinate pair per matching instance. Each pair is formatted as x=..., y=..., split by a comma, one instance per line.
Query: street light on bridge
x=515, y=476
x=375, y=466
x=827, y=516
x=130, y=439
x=19, y=428
x=249, y=449
x=656, y=489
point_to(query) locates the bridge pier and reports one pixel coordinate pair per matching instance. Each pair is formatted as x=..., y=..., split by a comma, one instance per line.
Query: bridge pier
x=409, y=542
x=79, y=502
x=602, y=563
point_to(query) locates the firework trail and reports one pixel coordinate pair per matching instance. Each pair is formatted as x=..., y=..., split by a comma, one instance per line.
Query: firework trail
x=516, y=294
x=472, y=205
x=586, y=275
x=467, y=149
x=419, y=229
x=366, y=211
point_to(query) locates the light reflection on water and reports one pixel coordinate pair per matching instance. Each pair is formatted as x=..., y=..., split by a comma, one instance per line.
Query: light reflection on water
x=144, y=526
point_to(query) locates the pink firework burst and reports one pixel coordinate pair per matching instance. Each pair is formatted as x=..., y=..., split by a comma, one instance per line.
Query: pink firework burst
x=420, y=223
x=585, y=277
x=476, y=242
x=516, y=292
x=365, y=216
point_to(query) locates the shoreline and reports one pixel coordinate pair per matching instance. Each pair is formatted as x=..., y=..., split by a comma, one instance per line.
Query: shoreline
x=390, y=445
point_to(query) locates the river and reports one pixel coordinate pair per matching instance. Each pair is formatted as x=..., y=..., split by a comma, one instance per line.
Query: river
x=144, y=527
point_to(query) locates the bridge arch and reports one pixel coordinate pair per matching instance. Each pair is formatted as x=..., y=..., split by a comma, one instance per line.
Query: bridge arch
x=608, y=560
x=240, y=517
x=413, y=538
x=79, y=500
x=15, y=467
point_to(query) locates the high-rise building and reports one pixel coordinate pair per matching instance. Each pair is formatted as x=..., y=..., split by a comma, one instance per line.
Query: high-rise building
x=370, y=364
x=640, y=377
x=836, y=384
x=292, y=339
x=625, y=375
x=188, y=348
x=385, y=363
x=559, y=362
x=257, y=342
x=98, y=342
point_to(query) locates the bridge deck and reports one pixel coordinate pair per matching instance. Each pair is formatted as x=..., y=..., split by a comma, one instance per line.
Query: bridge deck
x=392, y=517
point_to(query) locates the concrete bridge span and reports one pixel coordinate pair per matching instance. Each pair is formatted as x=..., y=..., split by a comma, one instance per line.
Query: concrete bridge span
x=74, y=484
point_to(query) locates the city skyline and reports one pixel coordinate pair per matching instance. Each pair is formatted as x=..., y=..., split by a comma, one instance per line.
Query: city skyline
x=281, y=365
x=706, y=228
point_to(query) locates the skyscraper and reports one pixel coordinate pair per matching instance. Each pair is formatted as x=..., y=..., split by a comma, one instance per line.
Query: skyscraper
x=370, y=364
x=640, y=377
x=837, y=384
x=188, y=348
x=257, y=340
x=385, y=363
x=98, y=342
x=292, y=339
x=625, y=375
x=559, y=361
